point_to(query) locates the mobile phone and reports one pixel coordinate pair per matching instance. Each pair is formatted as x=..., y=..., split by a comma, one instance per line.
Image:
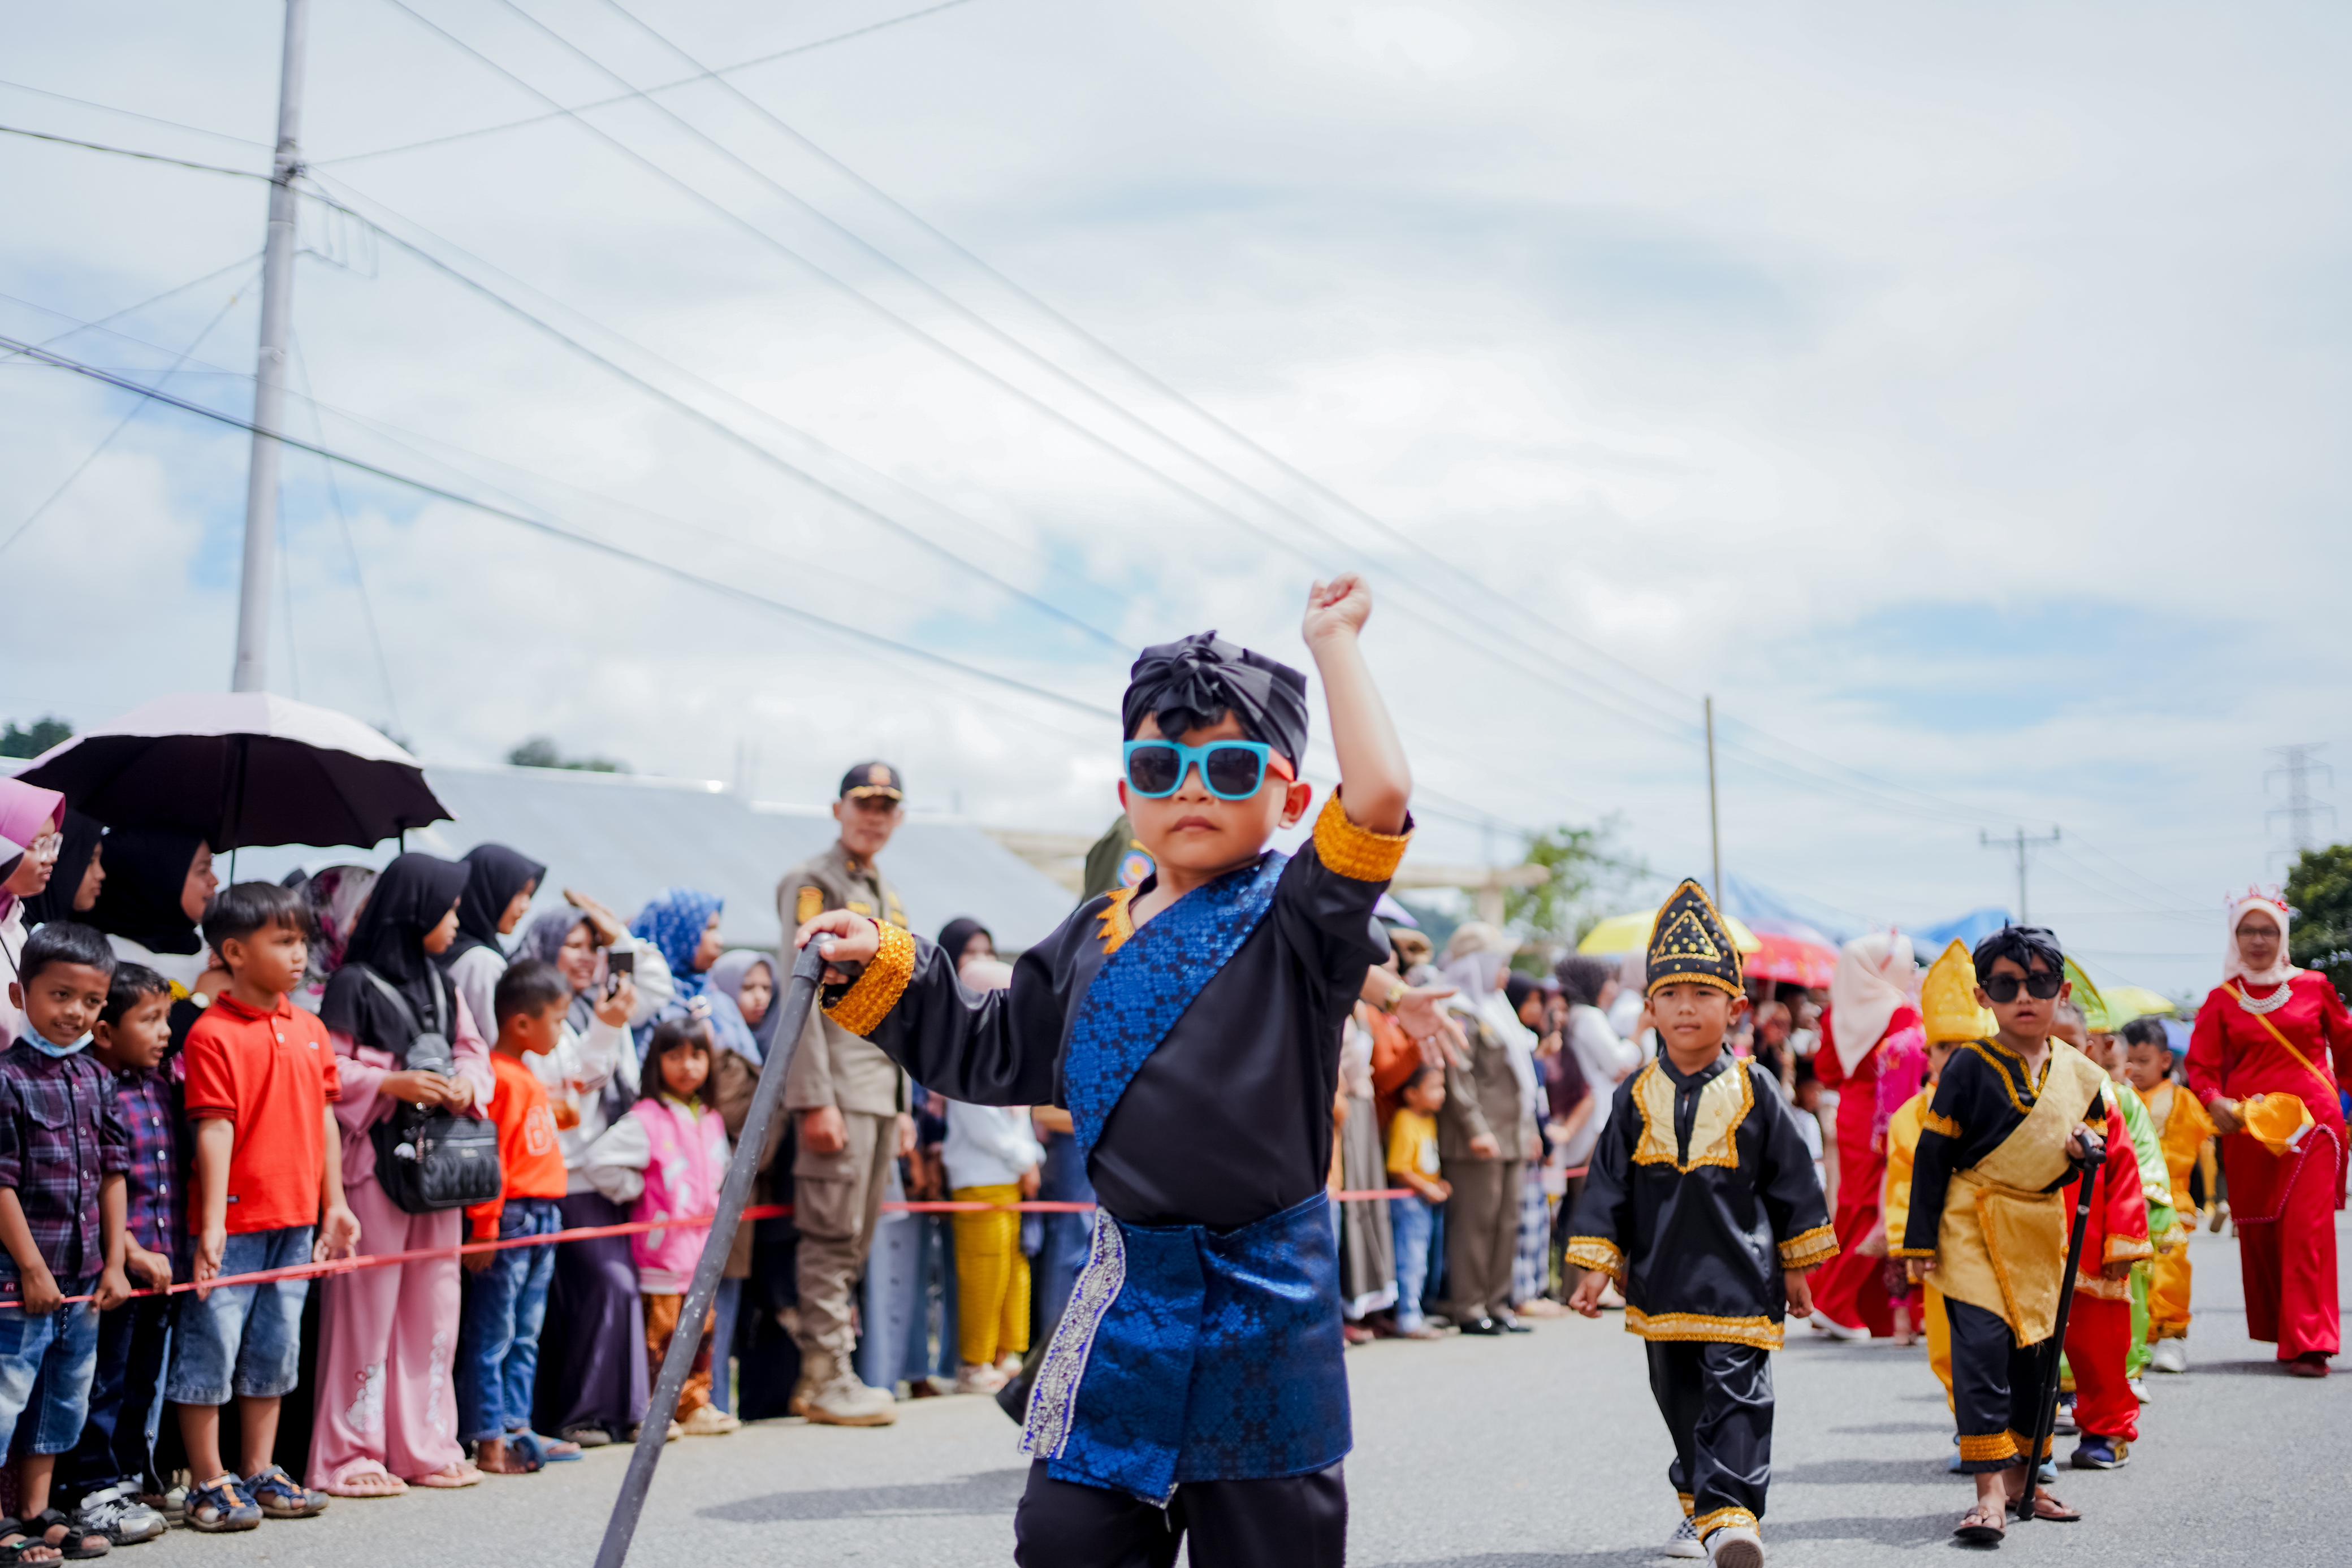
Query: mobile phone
x=622, y=963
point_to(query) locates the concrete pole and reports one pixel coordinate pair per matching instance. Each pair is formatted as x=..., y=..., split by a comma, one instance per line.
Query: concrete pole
x=252, y=671
x=1714, y=819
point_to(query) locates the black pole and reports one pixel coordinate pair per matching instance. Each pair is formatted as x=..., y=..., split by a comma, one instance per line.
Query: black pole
x=654, y=1433
x=2045, y=1408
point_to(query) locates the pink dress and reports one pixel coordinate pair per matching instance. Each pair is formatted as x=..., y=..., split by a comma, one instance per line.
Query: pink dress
x=388, y=1336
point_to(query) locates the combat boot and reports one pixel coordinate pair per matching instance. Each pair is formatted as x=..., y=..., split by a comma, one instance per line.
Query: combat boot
x=843, y=1401
x=816, y=1370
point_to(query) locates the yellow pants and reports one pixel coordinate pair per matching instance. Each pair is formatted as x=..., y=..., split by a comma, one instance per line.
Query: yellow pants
x=1940, y=1341
x=2168, y=1295
x=992, y=1279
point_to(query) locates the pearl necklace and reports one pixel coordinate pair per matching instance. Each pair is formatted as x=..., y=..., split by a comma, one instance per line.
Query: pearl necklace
x=2269, y=1004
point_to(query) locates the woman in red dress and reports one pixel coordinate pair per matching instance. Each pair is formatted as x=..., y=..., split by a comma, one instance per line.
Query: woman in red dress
x=2272, y=1029
x=1873, y=1022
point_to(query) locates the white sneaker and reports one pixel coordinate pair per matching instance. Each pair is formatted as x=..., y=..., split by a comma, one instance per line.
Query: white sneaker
x=2137, y=1387
x=1735, y=1546
x=978, y=1379
x=1683, y=1541
x=2169, y=1355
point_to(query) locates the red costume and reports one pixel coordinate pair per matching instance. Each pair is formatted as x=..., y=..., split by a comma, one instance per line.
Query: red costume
x=2284, y=1203
x=2098, y=1324
x=1850, y=1289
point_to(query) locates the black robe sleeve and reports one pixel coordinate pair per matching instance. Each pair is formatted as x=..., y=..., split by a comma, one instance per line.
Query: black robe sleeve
x=983, y=1048
x=1603, y=1222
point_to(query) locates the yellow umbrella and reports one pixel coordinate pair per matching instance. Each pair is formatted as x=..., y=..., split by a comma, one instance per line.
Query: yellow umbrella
x=1630, y=933
x=2128, y=1002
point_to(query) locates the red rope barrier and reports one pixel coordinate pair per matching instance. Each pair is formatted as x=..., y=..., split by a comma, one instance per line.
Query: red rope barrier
x=592, y=1232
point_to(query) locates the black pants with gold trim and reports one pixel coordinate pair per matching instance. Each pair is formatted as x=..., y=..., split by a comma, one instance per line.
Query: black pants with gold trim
x=1718, y=1402
x=1994, y=1384
x=1285, y=1521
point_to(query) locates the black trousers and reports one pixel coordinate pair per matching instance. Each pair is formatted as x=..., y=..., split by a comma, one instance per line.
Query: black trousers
x=1718, y=1402
x=1295, y=1522
x=1995, y=1382
x=126, y=1388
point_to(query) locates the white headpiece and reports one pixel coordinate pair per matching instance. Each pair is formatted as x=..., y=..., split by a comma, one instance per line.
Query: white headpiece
x=2270, y=902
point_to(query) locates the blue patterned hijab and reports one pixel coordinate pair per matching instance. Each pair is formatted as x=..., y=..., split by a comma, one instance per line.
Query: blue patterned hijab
x=674, y=921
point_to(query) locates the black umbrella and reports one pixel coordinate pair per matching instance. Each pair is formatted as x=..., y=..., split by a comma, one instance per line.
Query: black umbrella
x=242, y=769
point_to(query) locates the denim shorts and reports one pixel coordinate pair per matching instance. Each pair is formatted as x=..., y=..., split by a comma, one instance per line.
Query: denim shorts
x=45, y=1365
x=244, y=1340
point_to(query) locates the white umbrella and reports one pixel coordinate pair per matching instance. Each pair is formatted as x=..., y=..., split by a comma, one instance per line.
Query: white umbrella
x=240, y=769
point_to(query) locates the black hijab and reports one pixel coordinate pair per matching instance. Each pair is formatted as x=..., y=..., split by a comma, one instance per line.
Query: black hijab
x=410, y=898
x=494, y=875
x=959, y=931
x=54, y=901
x=1189, y=684
x=146, y=870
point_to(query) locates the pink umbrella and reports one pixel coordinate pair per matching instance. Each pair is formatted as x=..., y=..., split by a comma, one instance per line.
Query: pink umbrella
x=1796, y=955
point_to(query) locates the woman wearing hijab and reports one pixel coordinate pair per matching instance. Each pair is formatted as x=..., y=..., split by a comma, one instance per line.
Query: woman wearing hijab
x=30, y=818
x=964, y=939
x=2272, y=1048
x=591, y=1353
x=335, y=897
x=1486, y=1135
x=1367, y=1275
x=499, y=883
x=1872, y=1026
x=746, y=980
x=387, y=1413
x=157, y=885
x=77, y=878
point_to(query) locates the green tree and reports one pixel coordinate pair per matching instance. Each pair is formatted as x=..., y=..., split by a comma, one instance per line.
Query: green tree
x=539, y=751
x=2319, y=891
x=43, y=734
x=1583, y=865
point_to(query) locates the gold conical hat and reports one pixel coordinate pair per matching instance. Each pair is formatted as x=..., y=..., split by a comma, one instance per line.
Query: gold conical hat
x=1947, y=999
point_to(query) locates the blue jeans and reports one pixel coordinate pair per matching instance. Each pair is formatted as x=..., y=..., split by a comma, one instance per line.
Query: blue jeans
x=126, y=1399
x=498, y=1332
x=725, y=1312
x=244, y=1340
x=45, y=1366
x=1066, y=1238
x=1414, y=1220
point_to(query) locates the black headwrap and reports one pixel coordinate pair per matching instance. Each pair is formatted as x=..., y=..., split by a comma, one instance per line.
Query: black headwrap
x=959, y=931
x=1192, y=684
x=410, y=898
x=146, y=871
x=494, y=875
x=54, y=901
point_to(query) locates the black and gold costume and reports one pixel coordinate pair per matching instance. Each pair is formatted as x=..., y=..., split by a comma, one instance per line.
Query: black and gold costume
x=1700, y=1195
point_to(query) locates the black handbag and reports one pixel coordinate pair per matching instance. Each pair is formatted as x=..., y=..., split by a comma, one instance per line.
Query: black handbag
x=427, y=1160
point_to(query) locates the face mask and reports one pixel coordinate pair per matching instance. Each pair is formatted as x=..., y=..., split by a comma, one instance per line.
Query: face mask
x=41, y=1043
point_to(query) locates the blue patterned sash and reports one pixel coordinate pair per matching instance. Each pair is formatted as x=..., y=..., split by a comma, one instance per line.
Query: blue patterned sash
x=1144, y=988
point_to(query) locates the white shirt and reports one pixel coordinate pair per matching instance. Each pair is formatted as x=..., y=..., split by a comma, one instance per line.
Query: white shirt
x=989, y=1146
x=1605, y=1057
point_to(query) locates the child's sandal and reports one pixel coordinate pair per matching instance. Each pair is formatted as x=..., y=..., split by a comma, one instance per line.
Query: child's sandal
x=24, y=1547
x=277, y=1495
x=75, y=1544
x=1983, y=1525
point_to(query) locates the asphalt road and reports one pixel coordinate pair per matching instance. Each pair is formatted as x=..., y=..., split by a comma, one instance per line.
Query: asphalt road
x=1542, y=1451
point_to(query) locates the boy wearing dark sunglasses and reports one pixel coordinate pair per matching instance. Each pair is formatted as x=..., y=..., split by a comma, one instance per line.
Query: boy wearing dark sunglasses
x=2012, y=1117
x=1191, y=1025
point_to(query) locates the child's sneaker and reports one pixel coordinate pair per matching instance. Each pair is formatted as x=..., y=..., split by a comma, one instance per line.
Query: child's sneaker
x=113, y=1512
x=2138, y=1389
x=1735, y=1546
x=1683, y=1541
x=2101, y=1453
x=220, y=1508
x=278, y=1496
x=2169, y=1355
x=710, y=1421
x=2064, y=1427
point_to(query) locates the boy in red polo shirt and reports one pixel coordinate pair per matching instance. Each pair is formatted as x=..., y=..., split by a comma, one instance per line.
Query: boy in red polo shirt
x=268, y=1194
x=505, y=1291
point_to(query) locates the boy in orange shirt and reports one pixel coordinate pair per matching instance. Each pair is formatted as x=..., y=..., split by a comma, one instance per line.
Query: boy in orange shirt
x=505, y=1291
x=2187, y=1134
x=267, y=1193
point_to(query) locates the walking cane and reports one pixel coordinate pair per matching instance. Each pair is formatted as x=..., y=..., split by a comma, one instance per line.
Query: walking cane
x=2046, y=1407
x=653, y=1435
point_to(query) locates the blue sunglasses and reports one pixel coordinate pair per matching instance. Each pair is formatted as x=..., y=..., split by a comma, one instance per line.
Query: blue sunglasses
x=1232, y=770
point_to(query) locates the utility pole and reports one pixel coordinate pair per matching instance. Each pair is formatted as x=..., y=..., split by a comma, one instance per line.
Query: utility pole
x=1714, y=819
x=2022, y=844
x=252, y=671
x=2295, y=766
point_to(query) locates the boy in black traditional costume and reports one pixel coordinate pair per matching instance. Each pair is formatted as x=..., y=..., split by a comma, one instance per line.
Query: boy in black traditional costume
x=1192, y=1025
x=2013, y=1118
x=1702, y=1203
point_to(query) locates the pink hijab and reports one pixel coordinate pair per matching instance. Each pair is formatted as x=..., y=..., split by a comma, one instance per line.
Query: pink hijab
x=1875, y=976
x=26, y=812
x=2232, y=966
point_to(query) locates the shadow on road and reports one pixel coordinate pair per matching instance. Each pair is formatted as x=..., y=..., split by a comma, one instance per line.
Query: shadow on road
x=1864, y=1472
x=993, y=1491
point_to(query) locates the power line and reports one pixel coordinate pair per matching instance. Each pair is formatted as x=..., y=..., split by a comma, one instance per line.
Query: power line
x=539, y=525
x=130, y=153
x=350, y=544
x=100, y=325
x=719, y=74
x=135, y=114
x=2302, y=810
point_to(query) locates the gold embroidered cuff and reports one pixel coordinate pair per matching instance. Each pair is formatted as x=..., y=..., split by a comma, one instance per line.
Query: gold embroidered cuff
x=1357, y=852
x=2132, y=1249
x=1596, y=1252
x=1809, y=1249
x=1688, y=1502
x=1910, y=1251
x=1931, y=1123
x=1764, y=1333
x=2019, y=1442
x=1706, y=1524
x=865, y=1005
x=1982, y=1450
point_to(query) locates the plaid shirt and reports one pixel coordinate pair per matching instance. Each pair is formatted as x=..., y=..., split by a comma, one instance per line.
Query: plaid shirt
x=59, y=1138
x=155, y=1199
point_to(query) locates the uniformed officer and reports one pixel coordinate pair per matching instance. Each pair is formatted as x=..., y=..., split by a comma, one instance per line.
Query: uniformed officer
x=852, y=1102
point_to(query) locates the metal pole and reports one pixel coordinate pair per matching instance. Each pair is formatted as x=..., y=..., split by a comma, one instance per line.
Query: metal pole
x=252, y=671
x=1714, y=821
x=2022, y=844
x=653, y=1435
x=2046, y=1399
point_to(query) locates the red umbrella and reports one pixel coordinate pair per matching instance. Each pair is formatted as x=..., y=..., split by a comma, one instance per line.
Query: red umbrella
x=1797, y=955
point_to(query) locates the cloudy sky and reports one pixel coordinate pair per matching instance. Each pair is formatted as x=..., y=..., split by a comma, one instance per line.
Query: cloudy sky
x=1957, y=393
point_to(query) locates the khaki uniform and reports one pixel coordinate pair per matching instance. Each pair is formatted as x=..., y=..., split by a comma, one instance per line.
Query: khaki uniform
x=837, y=1197
x=1482, y=1218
